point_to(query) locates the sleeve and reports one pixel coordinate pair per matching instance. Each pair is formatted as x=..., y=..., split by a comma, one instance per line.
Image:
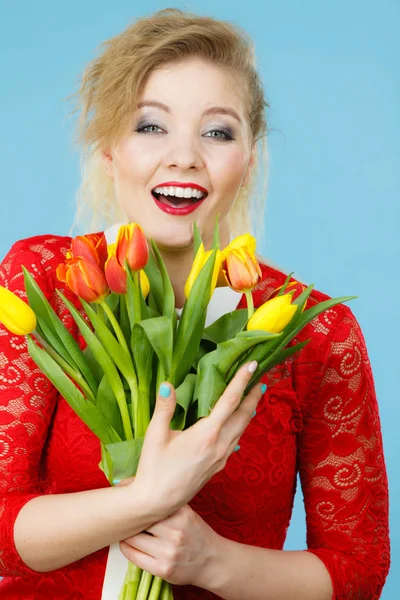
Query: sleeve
x=342, y=468
x=27, y=401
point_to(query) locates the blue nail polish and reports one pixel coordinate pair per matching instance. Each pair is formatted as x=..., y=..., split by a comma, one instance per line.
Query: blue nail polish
x=237, y=448
x=263, y=388
x=254, y=413
x=116, y=481
x=165, y=390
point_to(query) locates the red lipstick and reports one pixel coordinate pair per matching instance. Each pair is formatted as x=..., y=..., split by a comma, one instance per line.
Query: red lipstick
x=177, y=210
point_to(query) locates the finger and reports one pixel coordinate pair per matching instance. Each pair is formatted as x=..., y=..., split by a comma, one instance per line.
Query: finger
x=145, y=543
x=122, y=482
x=243, y=415
x=232, y=396
x=140, y=559
x=163, y=411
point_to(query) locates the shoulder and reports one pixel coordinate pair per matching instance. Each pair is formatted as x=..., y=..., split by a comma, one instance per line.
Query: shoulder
x=39, y=254
x=335, y=329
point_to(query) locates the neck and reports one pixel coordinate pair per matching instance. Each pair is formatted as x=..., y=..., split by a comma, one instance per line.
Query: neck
x=179, y=262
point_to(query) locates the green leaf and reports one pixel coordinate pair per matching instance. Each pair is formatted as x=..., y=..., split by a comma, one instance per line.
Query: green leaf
x=207, y=395
x=113, y=301
x=99, y=352
x=197, y=240
x=191, y=324
x=107, y=403
x=168, y=302
x=120, y=460
x=86, y=411
x=226, y=327
x=268, y=364
x=216, y=241
x=283, y=288
x=184, y=397
x=45, y=312
x=156, y=286
x=115, y=351
x=142, y=352
x=160, y=335
x=123, y=318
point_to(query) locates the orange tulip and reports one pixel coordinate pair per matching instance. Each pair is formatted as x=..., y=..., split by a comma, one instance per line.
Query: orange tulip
x=116, y=275
x=295, y=288
x=131, y=245
x=85, y=278
x=239, y=264
x=92, y=247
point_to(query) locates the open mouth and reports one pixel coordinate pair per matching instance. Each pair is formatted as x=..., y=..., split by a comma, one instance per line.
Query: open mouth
x=178, y=201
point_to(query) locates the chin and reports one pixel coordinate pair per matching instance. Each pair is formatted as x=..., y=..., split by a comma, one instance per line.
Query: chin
x=175, y=238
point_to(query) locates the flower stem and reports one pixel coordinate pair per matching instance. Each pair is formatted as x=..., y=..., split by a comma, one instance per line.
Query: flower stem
x=155, y=589
x=75, y=375
x=250, y=304
x=137, y=309
x=144, y=586
x=115, y=325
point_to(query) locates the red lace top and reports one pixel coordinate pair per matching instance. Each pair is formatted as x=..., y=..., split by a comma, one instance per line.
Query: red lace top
x=319, y=417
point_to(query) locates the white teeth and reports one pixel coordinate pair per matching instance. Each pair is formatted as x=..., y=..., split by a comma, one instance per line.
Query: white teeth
x=179, y=192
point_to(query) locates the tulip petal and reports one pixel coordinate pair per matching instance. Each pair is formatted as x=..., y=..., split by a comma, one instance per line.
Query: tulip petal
x=15, y=314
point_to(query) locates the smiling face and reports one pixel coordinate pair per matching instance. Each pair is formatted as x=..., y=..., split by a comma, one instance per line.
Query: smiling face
x=189, y=128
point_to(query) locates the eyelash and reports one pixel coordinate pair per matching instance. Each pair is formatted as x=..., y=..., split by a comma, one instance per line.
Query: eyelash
x=226, y=132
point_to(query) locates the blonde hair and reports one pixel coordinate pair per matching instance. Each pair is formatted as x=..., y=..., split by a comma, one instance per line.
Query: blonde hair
x=112, y=82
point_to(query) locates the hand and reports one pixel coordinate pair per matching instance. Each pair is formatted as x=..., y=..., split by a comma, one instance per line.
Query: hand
x=179, y=549
x=175, y=465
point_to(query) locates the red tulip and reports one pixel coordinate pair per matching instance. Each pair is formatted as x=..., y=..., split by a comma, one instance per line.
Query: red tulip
x=84, y=277
x=92, y=247
x=116, y=275
x=131, y=245
x=115, y=272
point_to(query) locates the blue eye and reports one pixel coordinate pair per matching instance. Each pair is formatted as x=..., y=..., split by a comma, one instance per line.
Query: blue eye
x=224, y=134
x=146, y=128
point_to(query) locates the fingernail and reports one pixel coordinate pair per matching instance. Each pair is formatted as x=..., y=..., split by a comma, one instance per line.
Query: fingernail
x=165, y=390
x=263, y=388
x=116, y=481
x=237, y=448
x=253, y=366
x=254, y=413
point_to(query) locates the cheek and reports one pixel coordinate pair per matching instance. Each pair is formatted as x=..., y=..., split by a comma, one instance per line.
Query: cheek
x=132, y=164
x=228, y=171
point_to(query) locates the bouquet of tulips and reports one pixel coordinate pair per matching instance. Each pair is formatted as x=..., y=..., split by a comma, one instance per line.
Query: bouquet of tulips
x=135, y=342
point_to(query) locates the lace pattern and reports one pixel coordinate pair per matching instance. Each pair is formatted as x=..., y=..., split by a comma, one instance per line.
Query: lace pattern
x=318, y=417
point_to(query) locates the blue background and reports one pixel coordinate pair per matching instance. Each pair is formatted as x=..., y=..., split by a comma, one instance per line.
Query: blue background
x=332, y=75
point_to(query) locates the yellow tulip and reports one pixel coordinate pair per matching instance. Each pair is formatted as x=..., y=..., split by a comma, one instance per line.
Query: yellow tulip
x=273, y=315
x=200, y=260
x=15, y=314
x=144, y=284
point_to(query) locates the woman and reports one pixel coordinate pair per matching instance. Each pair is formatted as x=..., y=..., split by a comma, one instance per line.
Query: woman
x=171, y=114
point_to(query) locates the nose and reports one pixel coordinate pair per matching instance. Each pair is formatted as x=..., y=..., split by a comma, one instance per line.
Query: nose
x=184, y=153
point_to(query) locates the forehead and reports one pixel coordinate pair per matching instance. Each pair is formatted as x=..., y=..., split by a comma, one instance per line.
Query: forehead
x=193, y=83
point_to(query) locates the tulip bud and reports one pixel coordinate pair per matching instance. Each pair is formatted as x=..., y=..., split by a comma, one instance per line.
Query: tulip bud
x=92, y=247
x=15, y=314
x=200, y=260
x=273, y=315
x=116, y=274
x=294, y=288
x=131, y=245
x=85, y=278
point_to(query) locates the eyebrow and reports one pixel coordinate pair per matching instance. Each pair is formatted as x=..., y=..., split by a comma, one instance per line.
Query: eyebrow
x=222, y=110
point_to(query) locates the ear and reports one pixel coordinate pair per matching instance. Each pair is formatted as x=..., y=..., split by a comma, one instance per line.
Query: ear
x=107, y=162
x=252, y=160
